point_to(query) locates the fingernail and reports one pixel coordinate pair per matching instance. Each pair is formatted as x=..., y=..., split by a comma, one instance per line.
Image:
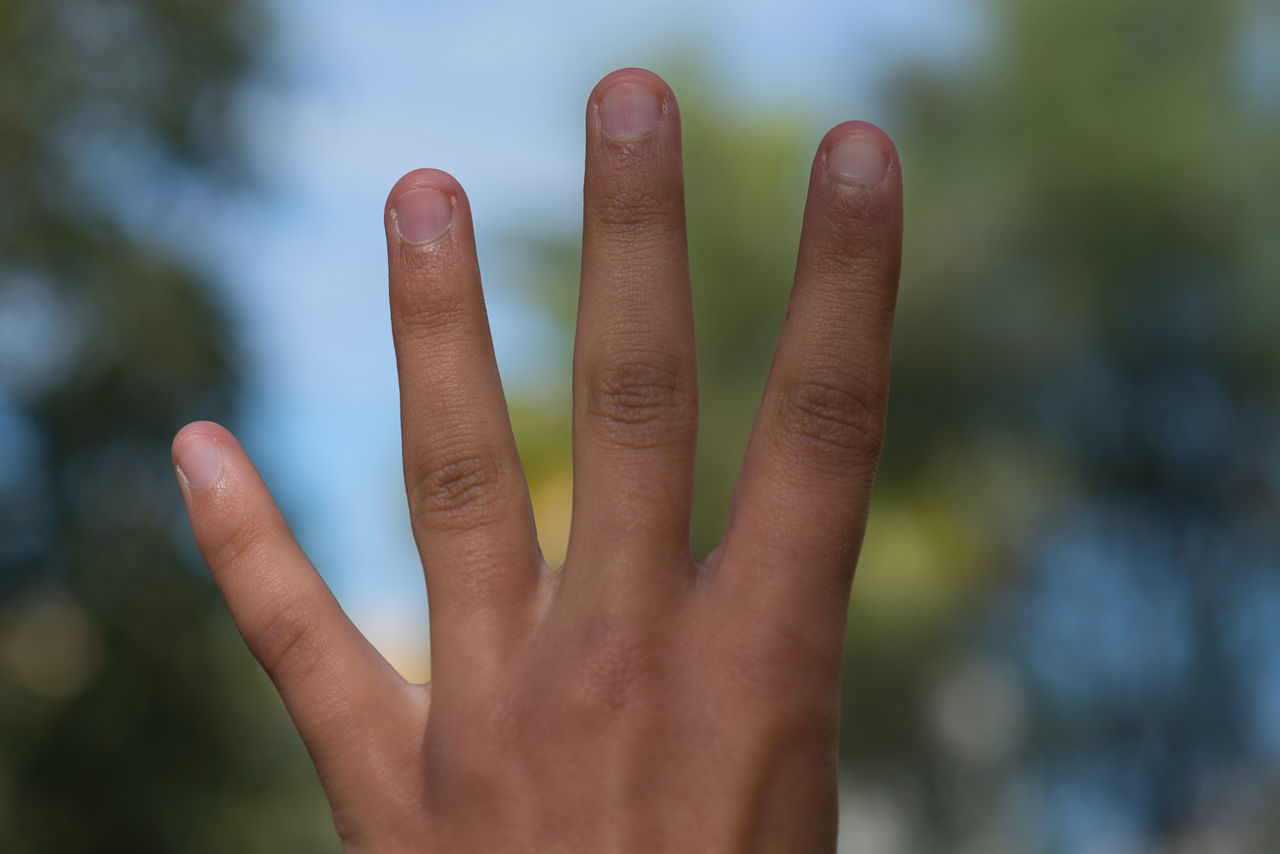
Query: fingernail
x=423, y=215
x=629, y=110
x=858, y=161
x=199, y=462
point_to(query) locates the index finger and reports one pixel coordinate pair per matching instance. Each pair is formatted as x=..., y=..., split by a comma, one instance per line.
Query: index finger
x=799, y=509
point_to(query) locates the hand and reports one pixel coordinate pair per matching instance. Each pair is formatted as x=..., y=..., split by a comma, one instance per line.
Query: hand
x=634, y=700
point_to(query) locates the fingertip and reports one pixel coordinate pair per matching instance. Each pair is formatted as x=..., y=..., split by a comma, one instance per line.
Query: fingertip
x=421, y=207
x=856, y=154
x=630, y=106
x=857, y=128
x=198, y=454
x=200, y=428
x=423, y=179
x=642, y=76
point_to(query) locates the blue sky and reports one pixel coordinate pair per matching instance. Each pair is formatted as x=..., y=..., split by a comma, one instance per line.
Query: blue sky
x=356, y=94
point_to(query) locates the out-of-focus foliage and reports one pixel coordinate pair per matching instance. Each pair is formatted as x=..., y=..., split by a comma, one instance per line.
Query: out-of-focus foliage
x=1088, y=375
x=1065, y=631
x=130, y=717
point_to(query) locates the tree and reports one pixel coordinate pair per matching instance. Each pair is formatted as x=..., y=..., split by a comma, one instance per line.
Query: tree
x=130, y=717
x=1086, y=357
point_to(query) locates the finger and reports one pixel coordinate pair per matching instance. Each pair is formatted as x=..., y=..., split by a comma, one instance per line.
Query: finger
x=468, y=501
x=635, y=381
x=333, y=682
x=800, y=506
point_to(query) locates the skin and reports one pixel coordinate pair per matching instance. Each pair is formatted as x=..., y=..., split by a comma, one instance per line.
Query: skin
x=634, y=700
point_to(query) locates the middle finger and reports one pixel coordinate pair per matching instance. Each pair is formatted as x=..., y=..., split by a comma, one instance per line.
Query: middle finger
x=635, y=378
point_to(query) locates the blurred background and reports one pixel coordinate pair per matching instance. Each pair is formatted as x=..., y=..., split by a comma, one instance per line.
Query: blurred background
x=1065, y=631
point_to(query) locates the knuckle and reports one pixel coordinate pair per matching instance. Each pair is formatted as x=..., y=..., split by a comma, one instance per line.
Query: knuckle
x=427, y=311
x=466, y=762
x=610, y=665
x=242, y=545
x=462, y=486
x=853, y=260
x=286, y=639
x=625, y=209
x=824, y=420
x=852, y=267
x=787, y=672
x=640, y=403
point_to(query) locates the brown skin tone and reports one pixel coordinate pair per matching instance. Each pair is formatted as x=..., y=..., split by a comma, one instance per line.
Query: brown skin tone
x=634, y=700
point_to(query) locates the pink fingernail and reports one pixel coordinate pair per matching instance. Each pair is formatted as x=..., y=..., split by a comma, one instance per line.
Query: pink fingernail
x=858, y=161
x=423, y=215
x=199, y=462
x=629, y=110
